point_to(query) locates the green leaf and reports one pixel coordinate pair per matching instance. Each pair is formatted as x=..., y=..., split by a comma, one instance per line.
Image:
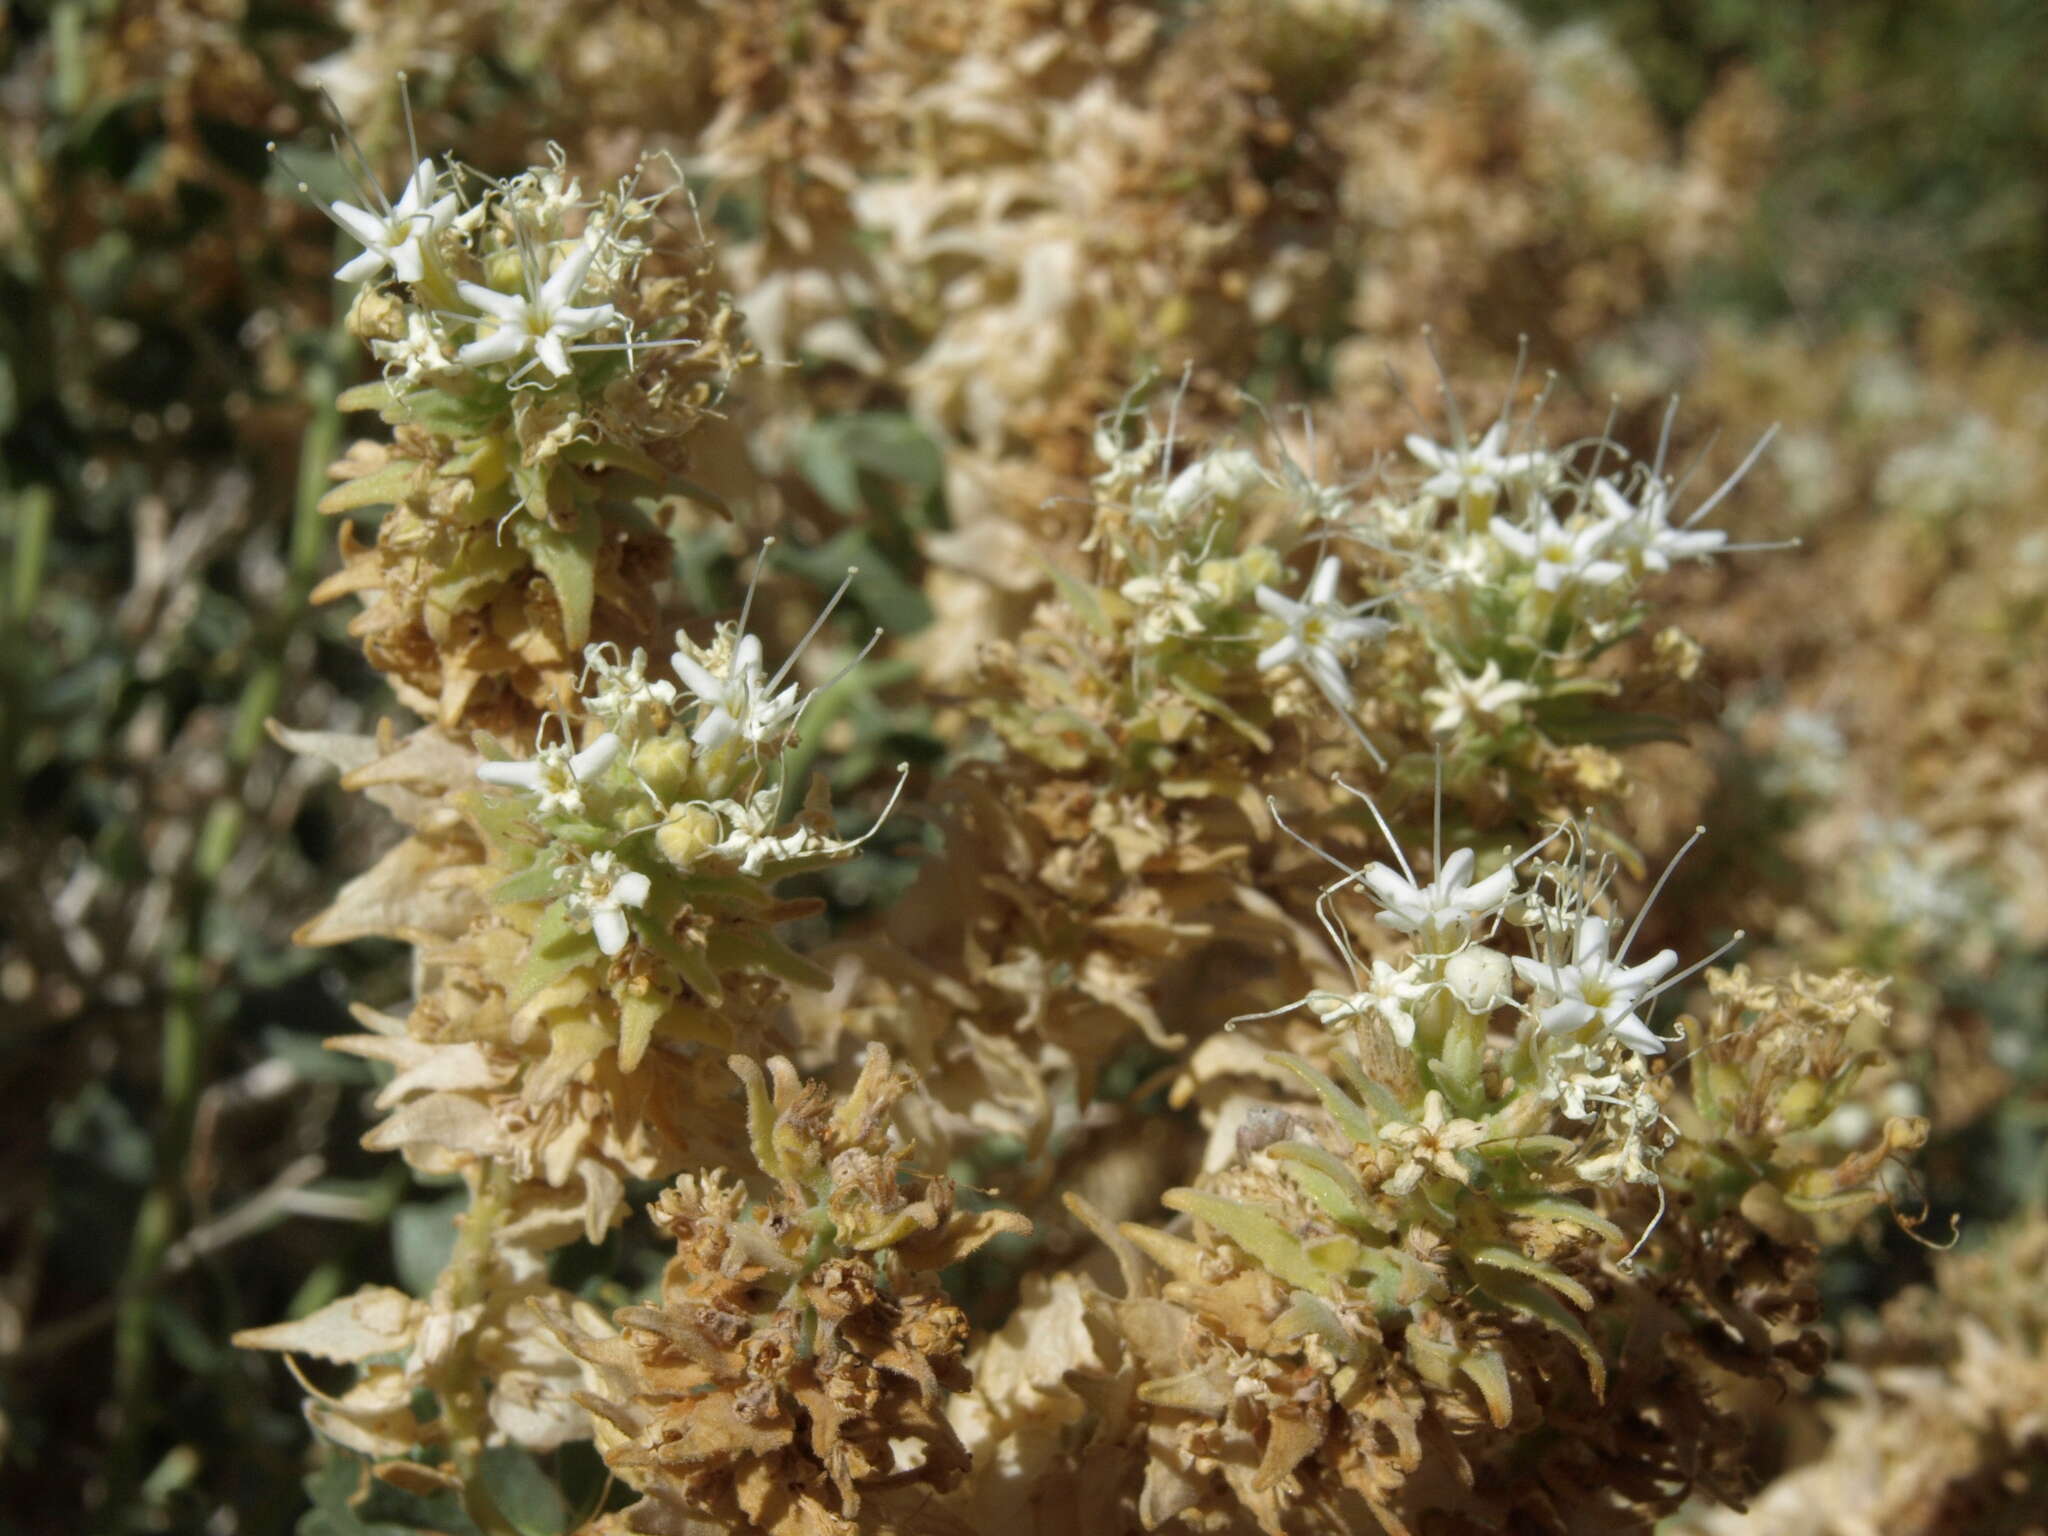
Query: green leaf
x=1581, y=719
x=569, y=561
x=557, y=949
x=1500, y=1256
x=384, y=487
x=756, y=950
x=534, y=883
x=468, y=580
x=1350, y=1116
x=348, y=1501
x=833, y=452
x=688, y=960
x=1547, y=1309
x=423, y=1239
x=1326, y=1179
x=620, y=456
x=760, y=1118
x=375, y=396
x=1256, y=1233
x=448, y=413
x=1459, y=1070
x=1558, y=1208
x=1210, y=704
x=524, y=1494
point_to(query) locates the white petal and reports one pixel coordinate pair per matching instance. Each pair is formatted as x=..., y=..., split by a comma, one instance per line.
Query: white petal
x=364, y=265
x=366, y=227
x=1591, y=949
x=698, y=679
x=630, y=889
x=407, y=262
x=581, y=322
x=1612, y=501
x=501, y=346
x=609, y=924
x=715, y=730
x=562, y=286
x=419, y=186
x=1322, y=666
x=1278, y=604
x=1518, y=540
x=1432, y=454
x=1489, y=893
x=1566, y=1015
x=1656, y=968
x=553, y=355
x=1322, y=586
x=1279, y=653
x=595, y=758
x=1632, y=1031
x=511, y=775
x=505, y=306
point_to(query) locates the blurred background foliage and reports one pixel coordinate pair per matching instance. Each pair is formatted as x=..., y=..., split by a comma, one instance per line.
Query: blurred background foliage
x=1911, y=154
x=181, y=1156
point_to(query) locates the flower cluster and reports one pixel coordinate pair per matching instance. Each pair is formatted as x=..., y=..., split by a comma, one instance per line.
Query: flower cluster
x=1462, y=1240
x=546, y=361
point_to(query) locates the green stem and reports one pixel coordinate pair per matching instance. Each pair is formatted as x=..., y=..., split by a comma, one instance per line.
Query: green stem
x=465, y=1408
x=30, y=512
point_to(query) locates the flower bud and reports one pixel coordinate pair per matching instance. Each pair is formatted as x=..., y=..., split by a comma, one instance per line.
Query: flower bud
x=1481, y=979
x=689, y=830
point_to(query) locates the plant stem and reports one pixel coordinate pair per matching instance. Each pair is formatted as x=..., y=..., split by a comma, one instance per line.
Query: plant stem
x=467, y=1283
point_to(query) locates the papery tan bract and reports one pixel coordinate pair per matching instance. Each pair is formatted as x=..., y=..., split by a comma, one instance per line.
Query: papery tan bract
x=793, y=1372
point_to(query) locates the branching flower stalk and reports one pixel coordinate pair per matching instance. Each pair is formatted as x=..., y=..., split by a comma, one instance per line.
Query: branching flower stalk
x=595, y=919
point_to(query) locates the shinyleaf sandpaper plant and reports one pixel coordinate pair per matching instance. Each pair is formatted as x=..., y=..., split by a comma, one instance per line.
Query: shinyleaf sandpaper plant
x=1286, y=858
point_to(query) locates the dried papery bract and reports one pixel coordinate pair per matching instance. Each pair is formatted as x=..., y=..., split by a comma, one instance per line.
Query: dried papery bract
x=1938, y=1421
x=792, y=1374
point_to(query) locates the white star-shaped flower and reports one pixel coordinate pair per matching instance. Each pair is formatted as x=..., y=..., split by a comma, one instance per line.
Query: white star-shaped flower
x=1445, y=911
x=391, y=238
x=1561, y=555
x=1319, y=631
x=1388, y=995
x=1642, y=530
x=1594, y=989
x=739, y=702
x=1227, y=476
x=542, y=322
x=1478, y=469
x=601, y=895
x=1432, y=1144
x=749, y=836
x=555, y=774
x=1486, y=697
x=625, y=699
